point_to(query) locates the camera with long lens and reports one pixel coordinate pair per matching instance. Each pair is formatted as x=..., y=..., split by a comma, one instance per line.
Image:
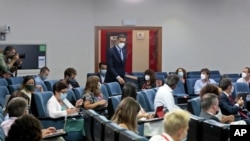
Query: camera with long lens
x=18, y=63
x=22, y=56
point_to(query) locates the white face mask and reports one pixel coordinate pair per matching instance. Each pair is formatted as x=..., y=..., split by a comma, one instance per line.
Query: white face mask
x=121, y=45
x=147, y=77
x=103, y=71
x=232, y=90
x=243, y=75
x=203, y=76
x=180, y=74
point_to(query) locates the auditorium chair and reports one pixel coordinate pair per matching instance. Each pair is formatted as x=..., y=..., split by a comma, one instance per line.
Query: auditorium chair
x=128, y=135
x=3, y=82
x=194, y=106
x=99, y=126
x=78, y=91
x=112, y=131
x=149, y=96
x=49, y=84
x=215, y=131
x=13, y=88
x=15, y=80
x=88, y=124
x=113, y=88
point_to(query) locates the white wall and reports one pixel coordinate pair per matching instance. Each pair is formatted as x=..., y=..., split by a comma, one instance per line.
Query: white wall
x=196, y=33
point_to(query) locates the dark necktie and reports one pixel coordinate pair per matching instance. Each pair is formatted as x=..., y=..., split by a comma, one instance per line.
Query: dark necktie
x=231, y=99
x=121, y=53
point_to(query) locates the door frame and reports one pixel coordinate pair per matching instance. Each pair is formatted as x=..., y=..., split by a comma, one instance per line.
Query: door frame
x=159, y=41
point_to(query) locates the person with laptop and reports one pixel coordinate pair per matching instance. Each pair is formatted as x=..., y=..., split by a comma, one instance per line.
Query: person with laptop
x=164, y=96
x=58, y=105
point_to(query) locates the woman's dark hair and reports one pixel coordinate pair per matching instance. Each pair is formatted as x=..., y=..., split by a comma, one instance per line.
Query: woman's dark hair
x=210, y=88
x=184, y=72
x=25, y=128
x=151, y=73
x=58, y=86
x=129, y=90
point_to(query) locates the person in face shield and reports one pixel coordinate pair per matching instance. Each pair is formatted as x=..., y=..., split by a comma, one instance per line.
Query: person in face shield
x=203, y=81
x=148, y=81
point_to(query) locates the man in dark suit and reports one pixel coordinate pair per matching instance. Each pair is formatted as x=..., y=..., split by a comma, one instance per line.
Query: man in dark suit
x=228, y=105
x=116, y=62
x=209, y=106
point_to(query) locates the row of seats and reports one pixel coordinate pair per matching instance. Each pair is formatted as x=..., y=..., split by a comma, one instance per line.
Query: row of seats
x=99, y=128
x=207, y=130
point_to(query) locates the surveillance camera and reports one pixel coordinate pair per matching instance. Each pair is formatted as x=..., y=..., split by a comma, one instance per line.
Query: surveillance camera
x=7, y=28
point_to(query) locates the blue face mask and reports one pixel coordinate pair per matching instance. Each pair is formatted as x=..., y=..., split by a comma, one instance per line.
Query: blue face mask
x=43, y=77
x=63, y=96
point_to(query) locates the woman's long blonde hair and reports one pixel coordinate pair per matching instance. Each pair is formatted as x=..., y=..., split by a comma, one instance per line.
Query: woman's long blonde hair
x=92, y=85
x=126, y=113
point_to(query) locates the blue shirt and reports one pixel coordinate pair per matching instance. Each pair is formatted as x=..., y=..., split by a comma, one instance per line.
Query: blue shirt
x=199, y=84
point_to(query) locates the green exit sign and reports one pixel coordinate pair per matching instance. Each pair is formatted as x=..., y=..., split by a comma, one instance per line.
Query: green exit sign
x=42, y=48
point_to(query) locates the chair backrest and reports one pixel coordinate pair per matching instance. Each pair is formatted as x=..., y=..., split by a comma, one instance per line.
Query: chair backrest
x=190, y=85
x=99, y=126
x=49, y=84
x=88, y=124
x=215, y=131
x=39, y=81
x=104, y=91
x=193, y=73
x=179, y=88
x=15, y=80
x=113, y=103
x=91, y=74
x=71, y=96
x=78, y=92
x=2, y=135
x=165, y=74
x=113, y=88
x=3, y=82
x=140, y=98
x=112, y=131
x=215, y=72
x=194, y=106
x=39, y=102
x=161, y=77
x=195, y=128
x=149, y=96
x=13, y=88
x=3, y=93
x=241, y=87
x=128, y=135
x=138, y=74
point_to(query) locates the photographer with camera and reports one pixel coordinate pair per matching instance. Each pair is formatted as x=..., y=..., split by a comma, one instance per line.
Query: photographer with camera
x=12, y=59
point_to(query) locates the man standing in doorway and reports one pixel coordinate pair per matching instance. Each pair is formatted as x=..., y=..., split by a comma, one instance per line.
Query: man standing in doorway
x=116, y=62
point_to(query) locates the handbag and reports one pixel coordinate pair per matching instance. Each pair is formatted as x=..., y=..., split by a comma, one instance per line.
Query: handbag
x=75, y=125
